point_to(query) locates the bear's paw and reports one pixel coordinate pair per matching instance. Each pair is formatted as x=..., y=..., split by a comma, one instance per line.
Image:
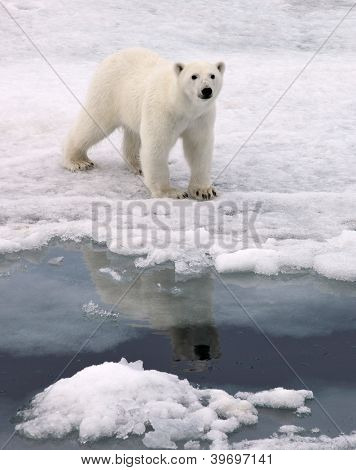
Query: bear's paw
x=79, y=165
x=202, y=193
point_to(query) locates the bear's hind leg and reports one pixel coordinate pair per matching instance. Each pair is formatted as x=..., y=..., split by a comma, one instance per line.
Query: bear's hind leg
x=131, y=151
x=85, y=133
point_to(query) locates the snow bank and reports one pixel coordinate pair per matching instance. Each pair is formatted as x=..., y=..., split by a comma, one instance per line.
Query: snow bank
x=122, y=399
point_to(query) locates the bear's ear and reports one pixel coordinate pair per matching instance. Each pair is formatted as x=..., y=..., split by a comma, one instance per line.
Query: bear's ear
x=178, y=67
x=221, y=67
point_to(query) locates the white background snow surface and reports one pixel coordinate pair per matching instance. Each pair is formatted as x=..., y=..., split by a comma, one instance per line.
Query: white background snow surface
x=300, y=164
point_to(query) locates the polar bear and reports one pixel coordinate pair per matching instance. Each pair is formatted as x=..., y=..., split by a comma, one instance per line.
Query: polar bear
x=155, y=102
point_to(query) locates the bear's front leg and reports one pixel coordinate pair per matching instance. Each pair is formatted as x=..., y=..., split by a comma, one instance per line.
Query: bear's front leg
x=154, y=161
x=198, y=143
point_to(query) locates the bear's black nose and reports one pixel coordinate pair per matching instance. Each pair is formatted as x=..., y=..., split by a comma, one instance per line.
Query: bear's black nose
x=206, y=92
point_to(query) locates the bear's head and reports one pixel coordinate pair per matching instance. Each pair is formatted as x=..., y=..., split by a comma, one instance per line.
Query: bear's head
x=200, y=81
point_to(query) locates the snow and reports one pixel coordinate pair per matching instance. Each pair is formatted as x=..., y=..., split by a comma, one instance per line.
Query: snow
x=193, y=445
x=122, y=399
x=296, y=175
x=334, y=258
x=258, y=260
x=278, y=398
x=303, y=410
x=295, y=442
x=290, y=429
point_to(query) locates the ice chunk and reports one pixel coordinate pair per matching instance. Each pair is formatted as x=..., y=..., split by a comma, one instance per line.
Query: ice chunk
x=111, y=272
x=218, y=438
x=278, y=398
x=172, y=291
x=261, y=261
x=303, y=410
x=159, y=440
x=194, y=445
x=293, y=441
x=290, y=429
x=227, y=406
x=122, y=399
x=94, y=309
x=56, y=261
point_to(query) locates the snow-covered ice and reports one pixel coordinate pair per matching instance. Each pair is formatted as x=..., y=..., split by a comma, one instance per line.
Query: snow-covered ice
x=300, y=165
x=334, y=258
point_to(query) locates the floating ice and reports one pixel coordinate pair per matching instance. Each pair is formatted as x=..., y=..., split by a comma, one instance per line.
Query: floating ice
x=172, y=291
x=303, y=410
x=56, y=261
x=290, y=429
x=277, y=398
x=111, y=272
x=193, y=445
x=94, y=309
x=293, y=441
x=122, y=399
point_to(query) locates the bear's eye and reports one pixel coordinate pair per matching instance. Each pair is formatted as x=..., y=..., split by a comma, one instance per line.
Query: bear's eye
x=212, y=76
x=194, y=77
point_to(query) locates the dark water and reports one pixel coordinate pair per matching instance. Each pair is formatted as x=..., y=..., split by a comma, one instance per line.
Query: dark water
x=192, y=327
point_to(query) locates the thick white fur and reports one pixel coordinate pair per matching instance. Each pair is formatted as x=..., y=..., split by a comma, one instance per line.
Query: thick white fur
x=155, y=102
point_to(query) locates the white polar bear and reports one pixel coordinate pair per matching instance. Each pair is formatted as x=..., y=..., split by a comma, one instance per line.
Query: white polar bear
x=155, y=102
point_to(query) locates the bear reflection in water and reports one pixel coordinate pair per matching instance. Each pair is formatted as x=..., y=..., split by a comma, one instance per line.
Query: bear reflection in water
x=155, y=299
